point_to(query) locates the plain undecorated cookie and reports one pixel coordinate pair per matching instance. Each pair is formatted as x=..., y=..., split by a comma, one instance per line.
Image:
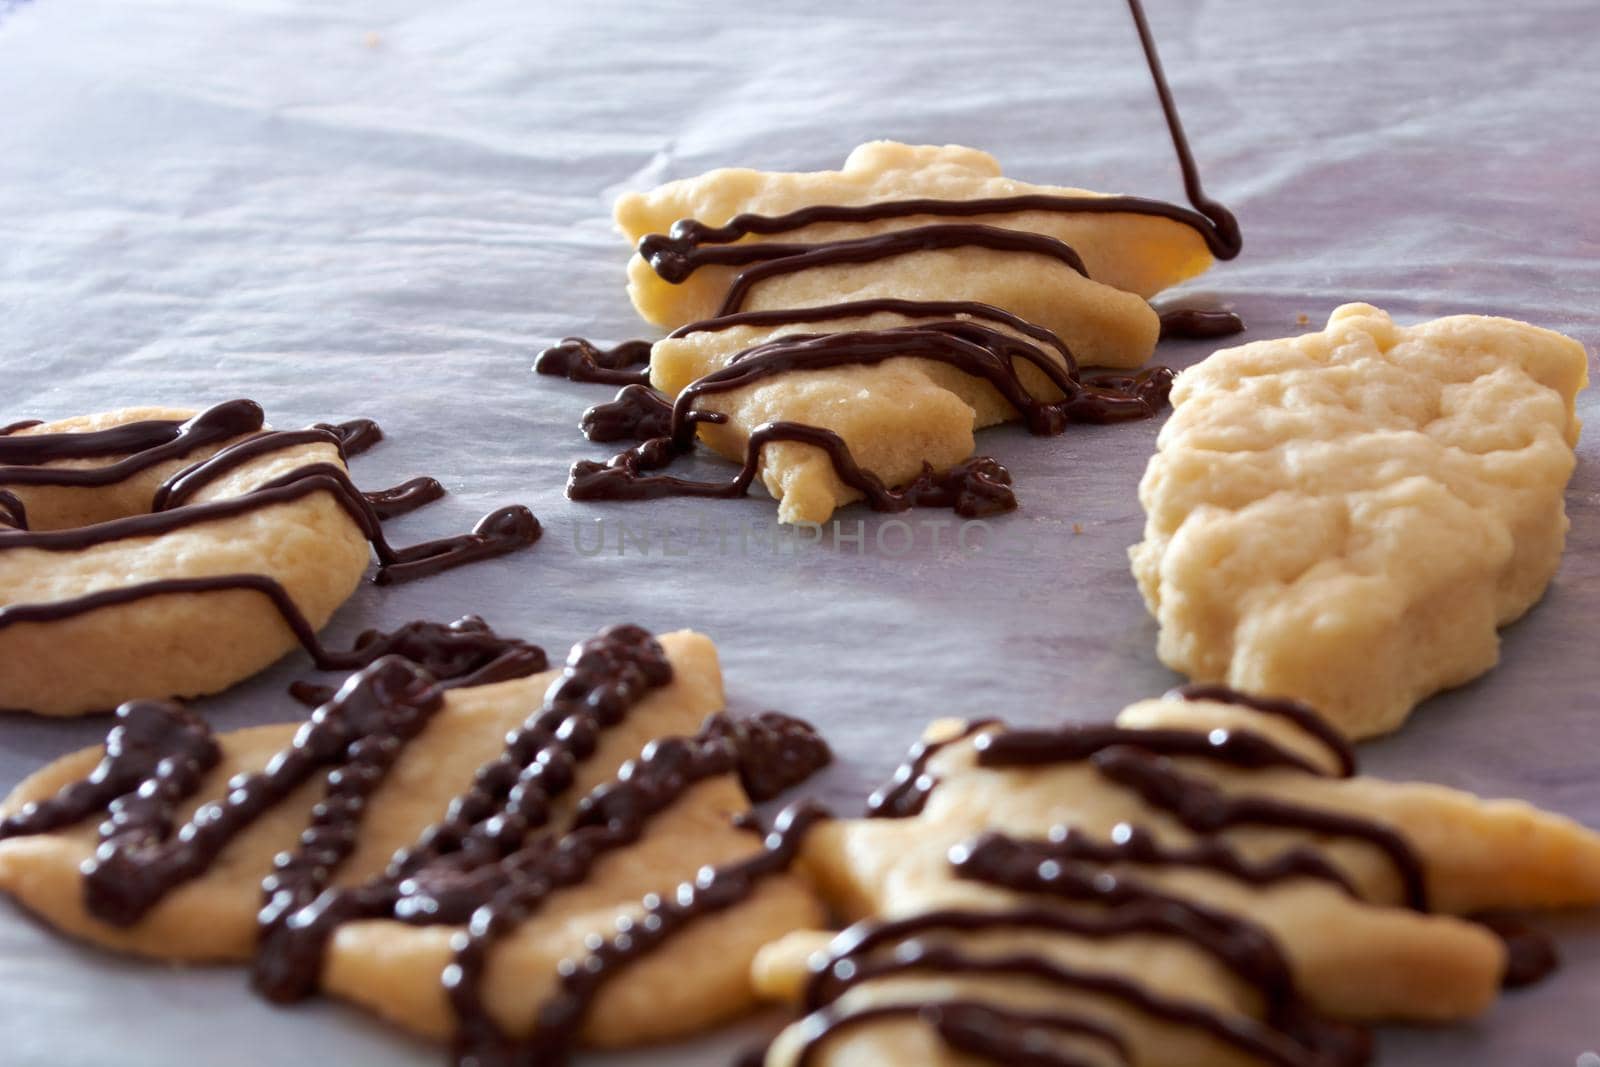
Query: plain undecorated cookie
x=1348, y=516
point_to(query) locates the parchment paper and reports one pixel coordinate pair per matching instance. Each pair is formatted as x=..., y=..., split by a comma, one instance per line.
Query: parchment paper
x=386, y=208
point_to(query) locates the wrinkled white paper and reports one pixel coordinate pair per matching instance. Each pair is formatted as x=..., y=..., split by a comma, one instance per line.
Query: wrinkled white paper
x=385, y=209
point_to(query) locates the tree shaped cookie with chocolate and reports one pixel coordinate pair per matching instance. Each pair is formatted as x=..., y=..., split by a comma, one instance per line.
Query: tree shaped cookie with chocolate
x=1207, y=882
x=914, y=297
x=444, y=857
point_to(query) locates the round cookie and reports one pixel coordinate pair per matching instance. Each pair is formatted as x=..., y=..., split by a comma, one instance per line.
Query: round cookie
x=89, y=528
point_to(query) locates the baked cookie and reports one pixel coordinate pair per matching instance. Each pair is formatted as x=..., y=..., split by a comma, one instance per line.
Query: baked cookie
x=1347, y=517
x=1207, y=883
x=154, y=552
x=435, y=855
x=854, y=358
x=1101, y=310
x=841, y=334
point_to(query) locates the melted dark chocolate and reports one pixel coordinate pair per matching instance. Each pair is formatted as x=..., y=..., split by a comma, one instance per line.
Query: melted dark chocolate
x=1136, y=845
x=674, y=258
x=1067, y=744
x=1301, y=715
x=13, y=512
x=854, y=958
x=355, y=436
x=463, y=653
x=1197, y=324
x=1205, y=809
x=1531, y=955
x=999, y=1035
x=638, y=413
x=979, y=486
x=404, y=498
x=147, y=444
x=148, y=735
x=578, y=360
x=906, y=794
x=454, y=866
x=481, y=1042
x=20, y=424
x=172, y=507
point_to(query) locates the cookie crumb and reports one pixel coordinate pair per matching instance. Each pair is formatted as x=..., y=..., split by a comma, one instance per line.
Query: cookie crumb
x=1077, y=527
x=373, y=39
x=1302, y=319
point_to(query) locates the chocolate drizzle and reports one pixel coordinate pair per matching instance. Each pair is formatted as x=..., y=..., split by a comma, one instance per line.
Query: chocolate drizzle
x=1103, y=875
x=487, y=861
x=1197, y=324
x=906, y=794
x=145, y=444
x=149, y=735
x=1301, y=715
x=20, y=424
x=857, y=956
x=975, y=487
x=13, y=512
x=1037, y=748
x=466, y=652
x=578, y=360
x=606, y=821
x=355, y=436
x=999, y=1035
x=173, y=507
x=674, y=259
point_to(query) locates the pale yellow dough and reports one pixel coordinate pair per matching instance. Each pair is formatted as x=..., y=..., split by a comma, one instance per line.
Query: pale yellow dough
x=394, y=969
x=1362, y=960
x=177, y=645
x=1347, y=517
x=893, y=416
x=1106, y=320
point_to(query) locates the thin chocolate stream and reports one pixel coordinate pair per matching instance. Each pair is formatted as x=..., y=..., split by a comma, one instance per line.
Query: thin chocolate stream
x=20, y=424
x=1215, y=224
x=987, y=1031
x=481, y=1042
x=907, y=792
x=976, y=487
x=578, y=360
x=1199, y=324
